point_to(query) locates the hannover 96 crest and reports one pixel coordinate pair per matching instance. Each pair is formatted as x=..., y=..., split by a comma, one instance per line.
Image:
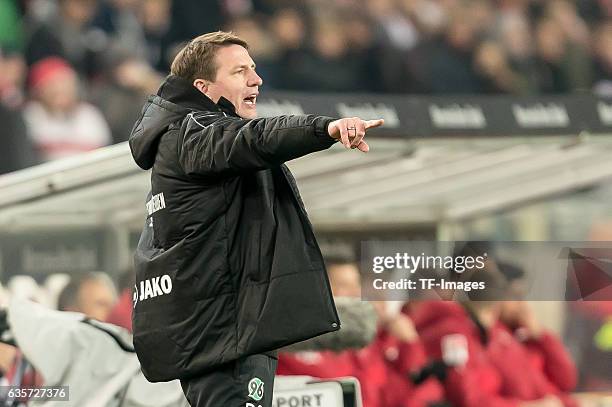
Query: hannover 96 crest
x=256, y=389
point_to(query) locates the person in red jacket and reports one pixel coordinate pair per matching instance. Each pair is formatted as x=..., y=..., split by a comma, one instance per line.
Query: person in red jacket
x=545, y=350
x=488, y=366
x=383, y=367
x=398, y=345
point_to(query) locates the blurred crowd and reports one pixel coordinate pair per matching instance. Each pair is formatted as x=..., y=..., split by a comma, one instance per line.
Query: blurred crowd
x=74, y=73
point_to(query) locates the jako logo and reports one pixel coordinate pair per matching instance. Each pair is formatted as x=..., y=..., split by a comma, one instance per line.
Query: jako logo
x=151, y=288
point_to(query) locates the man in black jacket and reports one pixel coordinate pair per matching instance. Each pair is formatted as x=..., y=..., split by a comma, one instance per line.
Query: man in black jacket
x=227, y=266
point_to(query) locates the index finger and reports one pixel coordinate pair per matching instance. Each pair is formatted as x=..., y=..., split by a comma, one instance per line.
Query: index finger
x=373, y=123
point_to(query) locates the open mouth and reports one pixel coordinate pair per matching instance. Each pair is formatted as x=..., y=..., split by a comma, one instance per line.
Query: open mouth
x=251, y=100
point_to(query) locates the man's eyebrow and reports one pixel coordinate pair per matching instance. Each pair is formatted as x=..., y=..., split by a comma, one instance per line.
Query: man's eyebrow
x=245, y=66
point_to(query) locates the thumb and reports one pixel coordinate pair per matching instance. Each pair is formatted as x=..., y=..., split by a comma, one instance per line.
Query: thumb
x=333, y=130
x=373, y=123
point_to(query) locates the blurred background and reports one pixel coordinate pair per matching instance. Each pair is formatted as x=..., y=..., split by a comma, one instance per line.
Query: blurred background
x=94, y=60
x=75, y=73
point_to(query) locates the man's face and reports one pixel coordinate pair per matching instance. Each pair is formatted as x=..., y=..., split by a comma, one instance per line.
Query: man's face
x=236, y=80
x=96, y=300
x=61, y=93
x=7, y=357
x=78, y=12
x=344, y=280
x=511, y=312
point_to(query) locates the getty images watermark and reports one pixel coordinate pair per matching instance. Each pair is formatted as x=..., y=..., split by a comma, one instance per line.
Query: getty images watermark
x=486, y=271
x=407, y=263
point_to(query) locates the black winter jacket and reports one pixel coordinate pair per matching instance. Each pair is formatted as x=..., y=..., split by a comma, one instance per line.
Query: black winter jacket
x=227, y=264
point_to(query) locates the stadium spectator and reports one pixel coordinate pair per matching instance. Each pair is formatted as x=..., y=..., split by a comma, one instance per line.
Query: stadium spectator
x=396, y=28
x=59, y=123
x=325, y=66
x=289, y=27
x=495, y=72
x=562, y=40
x=12, y=77
x=450, y=58
x=514, y=34
x=155, y=18
x=498, y=370
x=551, y=50
x=404, y=357
x=118, y=20
x=92, y=294
x=545, y=350
x=189, y=19
x=120, y=96
x=69, y=34
x=369, y=55
x=594, y=11
x=565, y=12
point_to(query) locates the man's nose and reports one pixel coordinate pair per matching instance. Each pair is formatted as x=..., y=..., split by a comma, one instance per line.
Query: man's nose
x=255, y=80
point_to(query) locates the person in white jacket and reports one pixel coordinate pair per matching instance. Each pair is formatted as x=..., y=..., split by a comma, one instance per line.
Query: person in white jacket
x=58, y=122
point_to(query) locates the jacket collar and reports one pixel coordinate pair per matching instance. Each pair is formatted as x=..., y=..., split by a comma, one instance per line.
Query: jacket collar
x=179, y=91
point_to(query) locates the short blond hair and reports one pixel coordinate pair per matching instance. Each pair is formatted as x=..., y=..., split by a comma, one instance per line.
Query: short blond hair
x=197, y=58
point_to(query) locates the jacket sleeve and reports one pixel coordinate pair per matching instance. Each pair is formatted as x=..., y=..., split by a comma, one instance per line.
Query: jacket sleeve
x=230, y=145
x=411, y=356
x=558, y=365
x=471, y=387
x=477, y=383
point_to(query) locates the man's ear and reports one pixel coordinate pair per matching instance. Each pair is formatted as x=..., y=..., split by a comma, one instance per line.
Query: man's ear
x=201, y=85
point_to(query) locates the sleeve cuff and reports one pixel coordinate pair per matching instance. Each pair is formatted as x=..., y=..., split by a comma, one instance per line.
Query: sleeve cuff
x=321, y=123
